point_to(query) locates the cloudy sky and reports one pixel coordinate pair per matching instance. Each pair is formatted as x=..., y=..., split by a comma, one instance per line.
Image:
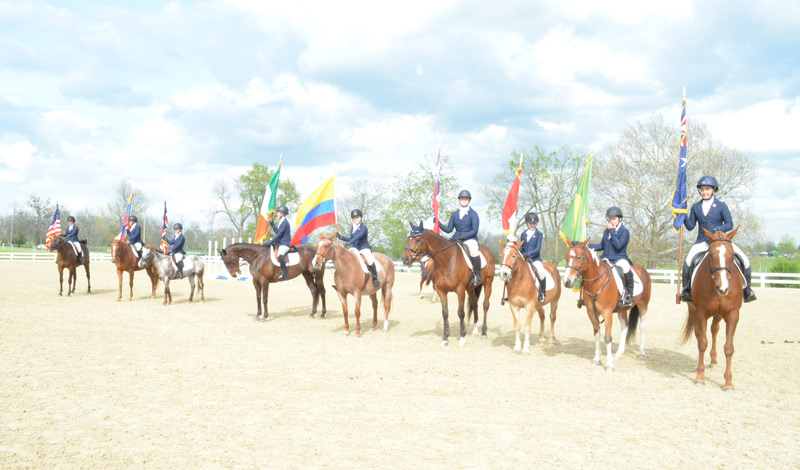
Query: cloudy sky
x=173, y=96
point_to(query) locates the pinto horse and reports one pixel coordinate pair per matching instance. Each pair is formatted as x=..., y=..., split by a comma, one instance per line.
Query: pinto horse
x=717, y=294
x=264, y=272
x=350, y=278
x=66, y=258
x=523, y=293
x=452, y=273
x=604, y=299
x=167, y=270
x=126, y=261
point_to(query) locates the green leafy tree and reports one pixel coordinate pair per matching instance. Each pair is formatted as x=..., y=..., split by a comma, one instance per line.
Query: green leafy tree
x=371, y=198
x=788, y=245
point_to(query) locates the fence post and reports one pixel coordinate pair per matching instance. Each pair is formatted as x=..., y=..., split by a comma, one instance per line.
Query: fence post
x=216, y=250
x=763, y=280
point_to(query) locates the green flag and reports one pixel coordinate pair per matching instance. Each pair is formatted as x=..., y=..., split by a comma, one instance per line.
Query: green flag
x=268, y=206
x=574, y=225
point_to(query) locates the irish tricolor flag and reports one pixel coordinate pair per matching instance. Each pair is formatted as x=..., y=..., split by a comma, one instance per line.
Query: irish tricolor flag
x=268, y=206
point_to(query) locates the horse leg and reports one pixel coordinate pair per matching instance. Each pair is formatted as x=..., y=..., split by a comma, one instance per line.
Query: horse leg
x=421, y=285
x=88, y=278
x=530, y=309
x=730, y=329
x=265, y=297
x=517, y=327
x=487, y=293
x=357, y=311
x=70, y=281
x=314, y=292
x=167, y=295
x=609, y=319
x=623, y=333
x=119, y=274
x=553, y=310
x=387, y=304
x=130, y=281
x=257, y=286
x=374, y=299
x=202, y=288
x=700, y=325
x=540, y=310
x=343, y=300
x=191, y=288
x=642, y=322
x=462, y=294
x=445, y=317
x=321, y=290
x=472, y=314
x=714, y=330
x=60, y=280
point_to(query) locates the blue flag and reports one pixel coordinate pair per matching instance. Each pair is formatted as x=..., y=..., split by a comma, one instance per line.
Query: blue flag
x=679, y=196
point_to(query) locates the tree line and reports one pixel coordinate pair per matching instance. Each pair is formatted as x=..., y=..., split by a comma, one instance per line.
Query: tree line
x=636, y=173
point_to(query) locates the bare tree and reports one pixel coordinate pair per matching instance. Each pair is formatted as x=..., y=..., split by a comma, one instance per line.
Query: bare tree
x=370, y=197
x=113, y=213
x=232, y=206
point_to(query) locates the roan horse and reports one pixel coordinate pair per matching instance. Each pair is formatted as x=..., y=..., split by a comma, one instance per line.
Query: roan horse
x=523, y=293
x=603, y=299
x=123, y=258
x=451, y=273
x=264, y=272
x=167, y=271
x=351, y=279
x=66, y=258
x=715, y=294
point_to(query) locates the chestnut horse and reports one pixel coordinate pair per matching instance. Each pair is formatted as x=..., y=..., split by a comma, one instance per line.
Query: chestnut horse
x=451, y=273
x=265, y=272
x=126, y=261
x=603, y=299
x=524, y=293
x=715, y=295
x=66, y=258
x=351, y=279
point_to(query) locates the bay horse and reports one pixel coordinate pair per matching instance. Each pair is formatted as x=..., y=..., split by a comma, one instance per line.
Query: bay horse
x=66, y=258
x=350, y=279
x=716, y=295
x=265, y=272
x=452, y=273
x=126, y=261
x=524, y=293
x=604, y=299
x=193, y=267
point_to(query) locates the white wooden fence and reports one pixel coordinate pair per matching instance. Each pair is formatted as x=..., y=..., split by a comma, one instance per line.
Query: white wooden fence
x=215, y=267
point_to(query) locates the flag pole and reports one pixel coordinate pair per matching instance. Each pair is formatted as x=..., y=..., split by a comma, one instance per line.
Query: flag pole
x=680, y=246
x=335, y=205
x=272, y=216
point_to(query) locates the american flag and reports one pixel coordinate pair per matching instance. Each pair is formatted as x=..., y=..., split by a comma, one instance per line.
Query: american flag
x=55, y=227
x=435, y=204
x=164, y=225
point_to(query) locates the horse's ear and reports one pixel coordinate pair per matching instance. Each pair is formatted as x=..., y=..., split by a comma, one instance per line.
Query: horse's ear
x=584, y=243
x=569, y=242
x=502, y=245
x=708, y=234
x=518, y=245
x=732, y=233
x=223, y=252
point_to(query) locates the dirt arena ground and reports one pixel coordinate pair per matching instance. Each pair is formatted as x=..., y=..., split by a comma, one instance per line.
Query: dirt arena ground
x=89, y=382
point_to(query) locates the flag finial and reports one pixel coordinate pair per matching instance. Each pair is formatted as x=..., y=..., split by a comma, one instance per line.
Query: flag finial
x=684, y=92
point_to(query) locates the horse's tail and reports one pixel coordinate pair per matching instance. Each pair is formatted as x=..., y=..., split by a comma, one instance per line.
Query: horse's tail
x=633, y=324
x=84, y=242
x=688, y=329
x=478, y=289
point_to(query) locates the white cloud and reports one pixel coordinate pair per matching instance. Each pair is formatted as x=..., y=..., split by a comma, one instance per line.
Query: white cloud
x=19, y=155
x=766, y=126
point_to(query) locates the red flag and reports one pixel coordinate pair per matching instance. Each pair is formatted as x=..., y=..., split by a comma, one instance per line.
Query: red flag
x=510, y=208
x=435, y=204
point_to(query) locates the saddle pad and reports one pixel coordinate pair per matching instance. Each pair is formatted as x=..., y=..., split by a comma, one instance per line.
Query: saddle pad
x=467, y=258
x=551, y=284
x=637, y=282
x=698, y=260
x=378, y=267
x=292, y=258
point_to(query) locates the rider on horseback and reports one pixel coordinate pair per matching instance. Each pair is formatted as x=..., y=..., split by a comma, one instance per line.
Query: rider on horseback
x=72, y=237
x=531, y=246
x=712, y=214
x=282, y=238
x=176, y=248
x=465, y=221
x=614, y=245
x=358, y=239
x=135, y=236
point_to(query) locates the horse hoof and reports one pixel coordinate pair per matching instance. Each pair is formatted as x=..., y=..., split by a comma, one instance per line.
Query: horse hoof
x=526, y=351
x=386, y=325
x=642, y=356
x=597, y=363
x=358, y=334
x=346, y=333
x=729, y=388
x=313, y=314
x=699, y=382
x=484, y=336
x=610, y=368
x=462, y=341
x=444, y=342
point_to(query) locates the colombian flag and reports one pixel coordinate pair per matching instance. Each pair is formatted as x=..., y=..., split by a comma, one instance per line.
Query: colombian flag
x=318, y=210
x=124, y=230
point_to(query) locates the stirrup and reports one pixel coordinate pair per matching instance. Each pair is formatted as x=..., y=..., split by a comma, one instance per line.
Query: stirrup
x=749, y=295
x=686, y=296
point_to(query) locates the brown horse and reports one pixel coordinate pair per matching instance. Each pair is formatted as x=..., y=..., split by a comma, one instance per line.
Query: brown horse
x=524, y=293
x=452, y=273
x=126, y=261
x=603, y=299
x=66, y=258
x=264, y=272
x=715, y=295
x=351, y=279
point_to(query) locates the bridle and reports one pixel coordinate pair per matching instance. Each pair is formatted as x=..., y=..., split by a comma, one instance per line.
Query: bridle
x=418, y=253
x=116, y=250
x=327, y=254
x=718, y=268
x=516, y=260
x=596, y=294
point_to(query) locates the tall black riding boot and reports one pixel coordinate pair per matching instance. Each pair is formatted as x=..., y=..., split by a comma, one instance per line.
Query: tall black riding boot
x=476, y=270
x=686, y=282
x=284, y=274
x=542, y=289
x=628, y=300
x=749, y=295
x=374, y=272
x=80, y=257
x=180, y=269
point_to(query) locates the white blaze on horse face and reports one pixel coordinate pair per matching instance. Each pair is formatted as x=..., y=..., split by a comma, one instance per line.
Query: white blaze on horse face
x=505, y=270
x=723, y=278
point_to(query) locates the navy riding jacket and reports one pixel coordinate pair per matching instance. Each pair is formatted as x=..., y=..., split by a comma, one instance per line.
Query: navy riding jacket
x=531, y=247
x=176, y=245
x=614, y=244
x=135, y=235
x=72, y=233
x=718, y=218
x=358, y=239
x=283, y=235
x=466, y=228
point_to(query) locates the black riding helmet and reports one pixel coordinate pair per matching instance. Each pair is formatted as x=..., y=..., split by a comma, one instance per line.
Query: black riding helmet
x=177, y=226
x=613, y=211
x=70, y=219
x=465, y=193
x=282, y=209
x=133, y=219
x=531, y=218
x=356, y=213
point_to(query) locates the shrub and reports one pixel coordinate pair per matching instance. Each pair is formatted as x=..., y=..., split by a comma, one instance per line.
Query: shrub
x=783, y=265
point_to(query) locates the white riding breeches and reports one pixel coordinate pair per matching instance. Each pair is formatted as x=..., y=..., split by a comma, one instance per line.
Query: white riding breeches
x=472, y=247
x=703, y=246
x=540, y=272
x=77, y=246
x=624, y=264
x=283, y=249
x=368, y=256
x=178, y=257
x=137, y=246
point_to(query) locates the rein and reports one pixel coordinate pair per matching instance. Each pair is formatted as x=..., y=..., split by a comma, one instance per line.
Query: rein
x=596, y=294
x=718, y=268
x=417, y=253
